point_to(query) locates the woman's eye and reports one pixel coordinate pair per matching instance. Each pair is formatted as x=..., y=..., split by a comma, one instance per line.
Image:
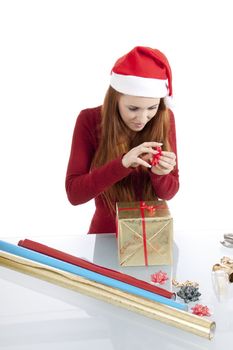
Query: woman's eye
x=133, y=108
x=151, y=108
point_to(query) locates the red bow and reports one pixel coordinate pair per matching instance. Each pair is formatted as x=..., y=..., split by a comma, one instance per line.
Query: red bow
x=151, y=208
x=156, y=156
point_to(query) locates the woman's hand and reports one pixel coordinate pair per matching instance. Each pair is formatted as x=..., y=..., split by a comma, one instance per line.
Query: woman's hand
x=166, y=163
x=138, y=155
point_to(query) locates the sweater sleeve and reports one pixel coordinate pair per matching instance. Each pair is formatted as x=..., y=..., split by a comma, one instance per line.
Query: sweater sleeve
x=83, y=184
x=166, y=186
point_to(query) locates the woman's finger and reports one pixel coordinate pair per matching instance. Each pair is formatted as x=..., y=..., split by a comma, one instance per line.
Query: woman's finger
x=170, y=161
x=142, y=162
x=146, y=157
x=166, y=165
x=169, y=154
x=152, y=144
x=142, y=149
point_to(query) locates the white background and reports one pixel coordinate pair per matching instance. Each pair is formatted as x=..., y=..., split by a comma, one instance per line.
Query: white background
x=55, y=59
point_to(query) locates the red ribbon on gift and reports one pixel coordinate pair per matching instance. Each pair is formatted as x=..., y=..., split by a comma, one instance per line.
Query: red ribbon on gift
x=143, y=206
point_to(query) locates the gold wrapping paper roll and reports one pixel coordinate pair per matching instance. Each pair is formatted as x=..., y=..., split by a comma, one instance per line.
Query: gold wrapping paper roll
x=171, y=316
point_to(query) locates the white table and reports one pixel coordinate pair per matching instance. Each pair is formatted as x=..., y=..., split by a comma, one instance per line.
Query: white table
x=35, y=314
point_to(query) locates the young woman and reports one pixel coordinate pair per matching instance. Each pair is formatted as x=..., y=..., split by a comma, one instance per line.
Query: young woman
x=114, y=144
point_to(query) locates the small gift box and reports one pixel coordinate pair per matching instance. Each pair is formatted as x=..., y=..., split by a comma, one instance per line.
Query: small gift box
x=144, y=233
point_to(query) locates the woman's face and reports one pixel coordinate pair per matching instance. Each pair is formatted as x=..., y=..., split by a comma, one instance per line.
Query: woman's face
x=136, y=111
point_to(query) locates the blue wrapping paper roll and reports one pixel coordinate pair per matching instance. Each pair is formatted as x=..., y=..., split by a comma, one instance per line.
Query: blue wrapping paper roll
x=93, y=276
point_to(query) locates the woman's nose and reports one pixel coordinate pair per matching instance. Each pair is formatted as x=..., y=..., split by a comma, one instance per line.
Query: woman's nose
x=143, y=116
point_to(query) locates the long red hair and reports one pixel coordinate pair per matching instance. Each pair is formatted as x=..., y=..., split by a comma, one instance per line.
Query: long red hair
x=116, y=139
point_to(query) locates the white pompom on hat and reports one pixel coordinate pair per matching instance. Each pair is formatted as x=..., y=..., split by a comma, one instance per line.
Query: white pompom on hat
x=143, y=72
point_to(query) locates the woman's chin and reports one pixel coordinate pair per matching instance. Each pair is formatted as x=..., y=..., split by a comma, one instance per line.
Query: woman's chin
x=136, y=127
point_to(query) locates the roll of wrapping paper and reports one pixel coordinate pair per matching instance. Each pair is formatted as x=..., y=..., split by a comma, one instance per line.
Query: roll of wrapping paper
x=44, y=259
x=57, y=254
x=163, y=313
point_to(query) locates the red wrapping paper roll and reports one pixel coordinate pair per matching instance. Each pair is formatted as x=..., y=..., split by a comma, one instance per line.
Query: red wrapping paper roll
x=57, y=254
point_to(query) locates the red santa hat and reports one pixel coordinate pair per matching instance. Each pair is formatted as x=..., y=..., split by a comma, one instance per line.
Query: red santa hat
x=142, y=72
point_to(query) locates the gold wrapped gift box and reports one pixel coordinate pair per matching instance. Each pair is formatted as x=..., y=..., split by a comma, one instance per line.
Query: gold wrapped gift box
x=144, y=233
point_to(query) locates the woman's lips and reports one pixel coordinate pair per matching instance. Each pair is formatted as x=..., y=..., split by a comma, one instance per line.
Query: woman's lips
x=138, y=125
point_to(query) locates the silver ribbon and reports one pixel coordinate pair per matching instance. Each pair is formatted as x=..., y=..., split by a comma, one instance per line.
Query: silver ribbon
x=228, y=240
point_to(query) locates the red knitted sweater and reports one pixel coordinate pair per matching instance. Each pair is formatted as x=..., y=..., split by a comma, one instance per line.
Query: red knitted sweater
x=83, y=185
